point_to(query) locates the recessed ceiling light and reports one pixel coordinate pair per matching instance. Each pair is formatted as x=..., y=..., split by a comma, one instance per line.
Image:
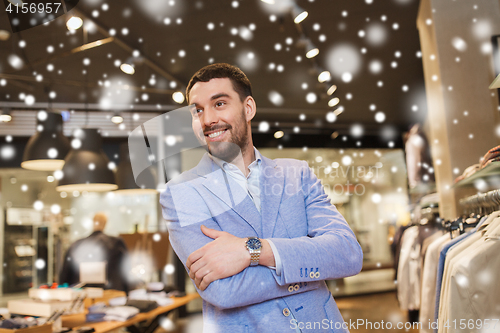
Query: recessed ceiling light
x=74, y=23
x=178, y=97
x=117, y=119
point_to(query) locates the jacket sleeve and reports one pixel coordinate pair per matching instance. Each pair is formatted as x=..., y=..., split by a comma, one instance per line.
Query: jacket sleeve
x=185, y=211
x=330, y=249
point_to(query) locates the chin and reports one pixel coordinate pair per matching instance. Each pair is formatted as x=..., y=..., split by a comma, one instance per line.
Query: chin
x=226, y=151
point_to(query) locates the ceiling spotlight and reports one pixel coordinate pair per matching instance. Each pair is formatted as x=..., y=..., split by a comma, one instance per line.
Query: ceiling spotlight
x=324, y=76
x=16, y=2
x=334, y=101
x=4, y=35
x=127, y=68
x=5, y=116
x=298, y=14
x=74, y=23
x=279, y=134
x=271, y=2
x=117, y=119
x=331, y=90
x=311, y=50
x=338, y=111
x=178, y=97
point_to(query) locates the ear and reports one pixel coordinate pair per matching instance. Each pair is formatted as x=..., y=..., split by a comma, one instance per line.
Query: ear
x=250, y=108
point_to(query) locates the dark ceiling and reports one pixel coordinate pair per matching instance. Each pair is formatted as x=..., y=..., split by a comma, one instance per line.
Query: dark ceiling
x=376, y=41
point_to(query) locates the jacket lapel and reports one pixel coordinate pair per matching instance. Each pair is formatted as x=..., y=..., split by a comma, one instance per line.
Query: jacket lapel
x=271, y=190
x=228, y=191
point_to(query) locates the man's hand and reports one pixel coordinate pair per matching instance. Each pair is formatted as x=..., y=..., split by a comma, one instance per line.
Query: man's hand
x=225, y=256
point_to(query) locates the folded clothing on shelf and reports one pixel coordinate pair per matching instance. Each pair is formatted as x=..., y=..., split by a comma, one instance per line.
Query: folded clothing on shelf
x=95, y=317
x=468, y=172
x=161, y=298
x=142, y=305
x=121, y=313
x=18, y=323
x=493, y=153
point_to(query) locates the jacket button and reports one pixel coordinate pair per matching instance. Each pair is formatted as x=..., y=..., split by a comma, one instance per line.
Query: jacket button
x=296, y=287
x=311, y=275
x=316, y=275
x=290, y=288
x=286, y=312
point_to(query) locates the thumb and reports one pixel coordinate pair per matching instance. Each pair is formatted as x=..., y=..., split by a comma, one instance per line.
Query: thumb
x=212, y=233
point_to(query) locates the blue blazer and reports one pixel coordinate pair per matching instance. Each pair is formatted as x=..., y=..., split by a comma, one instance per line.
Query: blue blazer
x=314, y=243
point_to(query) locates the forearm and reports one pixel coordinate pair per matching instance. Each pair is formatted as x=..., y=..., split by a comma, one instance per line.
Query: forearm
x=329, y=256
x=250, y=286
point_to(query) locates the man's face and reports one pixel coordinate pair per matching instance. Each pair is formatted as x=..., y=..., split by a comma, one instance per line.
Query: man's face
x=219, y=118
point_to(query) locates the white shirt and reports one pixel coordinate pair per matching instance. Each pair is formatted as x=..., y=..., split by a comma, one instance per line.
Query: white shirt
x=251, y=185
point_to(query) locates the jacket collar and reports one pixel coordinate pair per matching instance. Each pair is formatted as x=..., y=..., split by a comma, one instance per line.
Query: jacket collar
x=227, y=190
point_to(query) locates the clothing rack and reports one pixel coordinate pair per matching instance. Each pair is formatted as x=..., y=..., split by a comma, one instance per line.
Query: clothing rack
x=482, y=203
x=475, y=207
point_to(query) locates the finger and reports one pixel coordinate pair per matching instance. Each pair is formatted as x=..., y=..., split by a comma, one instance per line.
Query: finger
x=195, y=267
x=207, y=279
x=193, y=257
x=200, y=275
x=212, y=233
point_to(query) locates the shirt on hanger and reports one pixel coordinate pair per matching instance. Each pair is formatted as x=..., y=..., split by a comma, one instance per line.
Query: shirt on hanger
x=429, y=281
x=474, y=289
x=453, y=256
x=404, y=276
x=442, y=256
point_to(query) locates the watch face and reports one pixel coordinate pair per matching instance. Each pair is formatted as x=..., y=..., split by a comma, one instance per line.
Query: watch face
x=253, y=243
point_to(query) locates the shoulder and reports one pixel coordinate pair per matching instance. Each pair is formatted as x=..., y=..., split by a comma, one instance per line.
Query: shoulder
x=290, y=163
x=197, y=173
x=289, y=167
x=186, y=176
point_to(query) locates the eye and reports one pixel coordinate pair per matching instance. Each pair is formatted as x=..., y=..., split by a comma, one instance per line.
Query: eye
x=219, y=103
x=199, y=110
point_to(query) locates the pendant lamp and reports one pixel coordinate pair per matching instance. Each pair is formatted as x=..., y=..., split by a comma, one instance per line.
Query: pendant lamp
x=86, y=165
x=146, y=181
x=47, y=148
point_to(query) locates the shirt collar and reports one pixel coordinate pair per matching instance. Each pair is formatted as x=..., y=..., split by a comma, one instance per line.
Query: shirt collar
x=221, y=163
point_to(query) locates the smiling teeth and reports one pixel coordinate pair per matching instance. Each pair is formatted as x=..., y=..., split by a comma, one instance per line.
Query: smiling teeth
x=213, y=135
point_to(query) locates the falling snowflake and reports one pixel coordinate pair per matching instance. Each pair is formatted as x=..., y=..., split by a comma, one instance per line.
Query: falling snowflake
x=311, y=98
x=459, y=44
x=344, y=58
x=276, y=98
x=357, y=130
x=264, y=126
x=376, y=34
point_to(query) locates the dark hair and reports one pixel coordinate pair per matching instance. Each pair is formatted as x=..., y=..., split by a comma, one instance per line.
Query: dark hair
x=240, y=82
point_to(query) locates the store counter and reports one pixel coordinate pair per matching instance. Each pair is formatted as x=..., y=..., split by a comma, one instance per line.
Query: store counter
x=150, y=318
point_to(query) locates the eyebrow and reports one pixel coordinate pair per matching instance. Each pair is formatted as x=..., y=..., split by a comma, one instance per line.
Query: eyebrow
x=219, y=95
x=214, y=97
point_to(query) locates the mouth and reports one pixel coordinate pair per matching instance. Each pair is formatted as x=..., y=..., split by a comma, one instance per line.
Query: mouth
x=216, y=136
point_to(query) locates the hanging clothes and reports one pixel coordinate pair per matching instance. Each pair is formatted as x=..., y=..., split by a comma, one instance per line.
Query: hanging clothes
x=471, y=270
x=405, y=279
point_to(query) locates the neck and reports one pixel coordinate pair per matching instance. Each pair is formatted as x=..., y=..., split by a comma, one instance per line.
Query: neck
x=245, y=158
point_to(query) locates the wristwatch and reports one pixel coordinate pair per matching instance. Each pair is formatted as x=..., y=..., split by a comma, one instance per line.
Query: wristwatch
x=254, y=246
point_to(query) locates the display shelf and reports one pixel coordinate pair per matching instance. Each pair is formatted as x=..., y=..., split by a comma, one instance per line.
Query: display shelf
x=423, y=188
x=490, y=172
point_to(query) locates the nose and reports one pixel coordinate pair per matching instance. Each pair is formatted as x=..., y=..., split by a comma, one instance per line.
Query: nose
x=210, y=117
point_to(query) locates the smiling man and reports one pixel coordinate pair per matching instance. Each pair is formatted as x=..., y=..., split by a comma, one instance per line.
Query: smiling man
x=259, y=237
